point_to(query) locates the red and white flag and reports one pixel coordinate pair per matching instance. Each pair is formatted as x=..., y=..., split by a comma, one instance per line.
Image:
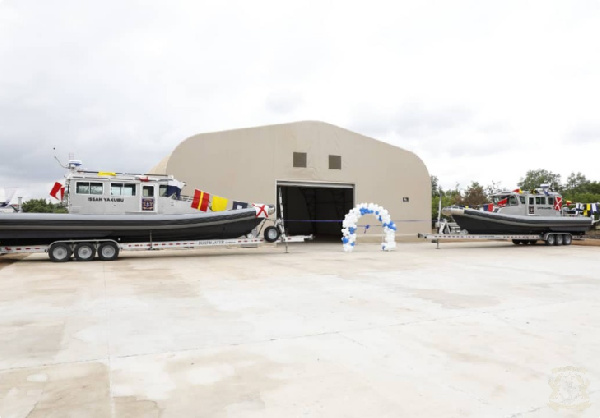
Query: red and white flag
x=557, y=203
x=262, y=210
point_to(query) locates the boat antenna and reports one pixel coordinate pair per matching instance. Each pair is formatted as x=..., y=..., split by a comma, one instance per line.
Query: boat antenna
x=56, y=158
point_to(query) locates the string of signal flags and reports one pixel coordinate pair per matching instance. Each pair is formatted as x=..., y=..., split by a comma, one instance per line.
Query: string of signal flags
x=204, y=202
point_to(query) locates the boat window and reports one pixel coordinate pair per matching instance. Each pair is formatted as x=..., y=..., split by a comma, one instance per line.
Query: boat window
x=551, y=200
x=95, y=188
x=513, y=201
x=540, y=200
x=522, y=199
x=83, y=188
x=531, y=200
x=122, y=189
x=129, y=189
x=148, y=191
x=88, y=188
x=162, y=191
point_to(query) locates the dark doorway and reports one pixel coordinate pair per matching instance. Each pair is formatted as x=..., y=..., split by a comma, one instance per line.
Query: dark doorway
x=315, y=209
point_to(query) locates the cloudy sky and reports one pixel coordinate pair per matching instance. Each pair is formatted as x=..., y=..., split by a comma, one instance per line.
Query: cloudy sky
x=480, y=90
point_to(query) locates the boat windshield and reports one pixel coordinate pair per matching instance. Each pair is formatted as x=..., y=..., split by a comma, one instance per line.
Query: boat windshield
x=500, y=198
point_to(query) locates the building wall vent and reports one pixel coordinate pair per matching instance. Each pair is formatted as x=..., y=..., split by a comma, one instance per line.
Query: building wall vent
x=300, y=159
x=335, y=162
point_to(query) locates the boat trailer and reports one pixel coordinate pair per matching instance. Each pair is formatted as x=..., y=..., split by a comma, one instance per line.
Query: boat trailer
x=549, y=238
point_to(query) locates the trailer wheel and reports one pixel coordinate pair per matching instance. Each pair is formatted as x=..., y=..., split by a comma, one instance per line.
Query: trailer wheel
x=559, y=239
x=271, y=234
x=517, y=241
x=568, y=239
x=59, y=252
x=550, y=239
x=84, y=251
x=108, y=251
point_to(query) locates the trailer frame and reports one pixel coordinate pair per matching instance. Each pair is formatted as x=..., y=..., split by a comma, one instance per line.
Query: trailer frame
x=549, y=238
x=64, y=250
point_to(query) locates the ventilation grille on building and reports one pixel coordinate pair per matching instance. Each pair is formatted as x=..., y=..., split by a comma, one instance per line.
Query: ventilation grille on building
x=335, y=162
x=300, y=159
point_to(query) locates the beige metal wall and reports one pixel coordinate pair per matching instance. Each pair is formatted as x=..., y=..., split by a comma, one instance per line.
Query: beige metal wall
x=245, y=165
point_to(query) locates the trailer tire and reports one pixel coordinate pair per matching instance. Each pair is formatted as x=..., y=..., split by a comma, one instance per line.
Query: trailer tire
x=568, y=239
x=108, y=251
x=60, y=252
x=517, y=241
x=84, y=251
x=272, y=234
x=559, y=239
x=550, y=239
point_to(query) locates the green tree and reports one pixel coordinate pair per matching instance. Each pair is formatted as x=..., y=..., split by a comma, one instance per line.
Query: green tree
x=534, y=178
x=435, y=186
x=576, y=183
x=475, y=195
x=41, y=206
x=492, y=188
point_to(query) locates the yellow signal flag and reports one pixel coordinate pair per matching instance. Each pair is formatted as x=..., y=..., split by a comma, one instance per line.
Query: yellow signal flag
x=219, y=203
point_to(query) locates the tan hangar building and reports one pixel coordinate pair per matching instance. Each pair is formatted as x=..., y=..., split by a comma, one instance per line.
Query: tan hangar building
x=322, y=171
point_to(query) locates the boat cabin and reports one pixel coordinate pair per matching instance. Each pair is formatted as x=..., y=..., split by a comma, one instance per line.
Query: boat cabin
x=540, y=201
x=104, y=193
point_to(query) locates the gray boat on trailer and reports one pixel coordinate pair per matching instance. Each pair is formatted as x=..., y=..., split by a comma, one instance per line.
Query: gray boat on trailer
x=533, y=212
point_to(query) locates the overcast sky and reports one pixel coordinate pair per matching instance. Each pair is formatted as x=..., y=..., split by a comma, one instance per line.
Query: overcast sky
x=479, y=90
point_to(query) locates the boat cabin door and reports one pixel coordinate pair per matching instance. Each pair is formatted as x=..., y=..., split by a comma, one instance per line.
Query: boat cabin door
x=148, y=198
x=531, y=206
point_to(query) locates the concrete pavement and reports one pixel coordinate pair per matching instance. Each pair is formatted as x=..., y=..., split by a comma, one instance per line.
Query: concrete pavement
x=481, y=329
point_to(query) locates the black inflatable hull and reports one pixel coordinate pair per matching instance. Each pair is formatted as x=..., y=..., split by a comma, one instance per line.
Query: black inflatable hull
x=41, y=229
x=478, y=222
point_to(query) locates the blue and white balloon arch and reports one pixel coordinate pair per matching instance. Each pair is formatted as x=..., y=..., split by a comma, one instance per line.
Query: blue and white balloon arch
x=350, y=226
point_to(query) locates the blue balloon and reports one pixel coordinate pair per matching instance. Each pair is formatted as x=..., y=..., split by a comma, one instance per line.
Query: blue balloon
x=345, y=240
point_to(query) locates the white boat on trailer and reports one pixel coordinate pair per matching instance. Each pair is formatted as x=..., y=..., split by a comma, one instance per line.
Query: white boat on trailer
x=110, y=212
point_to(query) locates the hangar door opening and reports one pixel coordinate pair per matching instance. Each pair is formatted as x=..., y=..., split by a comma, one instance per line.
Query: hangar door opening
x=315, y=208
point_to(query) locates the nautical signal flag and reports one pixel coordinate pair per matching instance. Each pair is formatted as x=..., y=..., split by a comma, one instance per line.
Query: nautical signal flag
x=262, y=210
x=518, y=190
x=503, y=202
x=201, y=200
x=558, y=203
x=56, y=189
x=238, y=205
x=174, y=188
x=219, y=203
